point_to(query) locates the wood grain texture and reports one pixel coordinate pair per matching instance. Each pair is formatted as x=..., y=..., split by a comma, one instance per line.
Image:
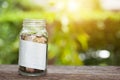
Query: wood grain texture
x=10, y=72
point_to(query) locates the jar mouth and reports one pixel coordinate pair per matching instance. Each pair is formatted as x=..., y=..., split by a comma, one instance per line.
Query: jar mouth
x=34, y=22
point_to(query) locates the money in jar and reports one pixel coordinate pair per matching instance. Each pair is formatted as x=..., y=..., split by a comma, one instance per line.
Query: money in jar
x=33, y=48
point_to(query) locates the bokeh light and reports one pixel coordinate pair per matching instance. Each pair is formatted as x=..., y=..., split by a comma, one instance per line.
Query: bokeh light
x=103, y=53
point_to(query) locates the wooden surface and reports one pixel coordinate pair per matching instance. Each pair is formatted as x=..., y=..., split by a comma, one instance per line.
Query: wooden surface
x=10, y=72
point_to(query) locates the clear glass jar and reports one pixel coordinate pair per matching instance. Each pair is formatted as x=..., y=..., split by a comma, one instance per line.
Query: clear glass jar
x=33, y=48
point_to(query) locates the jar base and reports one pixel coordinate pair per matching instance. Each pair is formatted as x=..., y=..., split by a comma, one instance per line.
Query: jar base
x=32, y=74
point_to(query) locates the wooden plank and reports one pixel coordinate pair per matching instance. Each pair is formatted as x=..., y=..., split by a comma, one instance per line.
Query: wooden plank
x=10, y=72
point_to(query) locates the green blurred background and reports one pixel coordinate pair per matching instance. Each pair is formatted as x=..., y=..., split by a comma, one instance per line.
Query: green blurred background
x=81, y=32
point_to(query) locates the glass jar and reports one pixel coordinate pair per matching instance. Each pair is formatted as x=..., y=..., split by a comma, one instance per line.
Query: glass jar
x=33, y=48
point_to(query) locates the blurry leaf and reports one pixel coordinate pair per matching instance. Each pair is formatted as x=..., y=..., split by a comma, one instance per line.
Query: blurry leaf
x=53, y=51
x=83, y=39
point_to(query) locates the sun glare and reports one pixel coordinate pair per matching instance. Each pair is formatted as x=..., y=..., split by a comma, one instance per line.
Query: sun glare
x=72, y=6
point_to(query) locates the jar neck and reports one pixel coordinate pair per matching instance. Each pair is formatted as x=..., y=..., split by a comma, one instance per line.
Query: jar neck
x=34, y=22
x=34, y=26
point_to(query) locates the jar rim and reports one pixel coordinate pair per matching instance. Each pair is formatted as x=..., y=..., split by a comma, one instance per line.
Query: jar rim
x=36, y=22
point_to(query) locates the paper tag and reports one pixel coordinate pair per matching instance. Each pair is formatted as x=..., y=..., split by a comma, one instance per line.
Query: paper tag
x=32, y=54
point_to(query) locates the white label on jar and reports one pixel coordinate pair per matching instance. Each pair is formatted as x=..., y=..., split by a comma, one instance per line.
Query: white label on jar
x=32, y=55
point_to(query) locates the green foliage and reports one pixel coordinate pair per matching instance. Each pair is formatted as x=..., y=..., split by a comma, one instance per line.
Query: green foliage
x=96, y=30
